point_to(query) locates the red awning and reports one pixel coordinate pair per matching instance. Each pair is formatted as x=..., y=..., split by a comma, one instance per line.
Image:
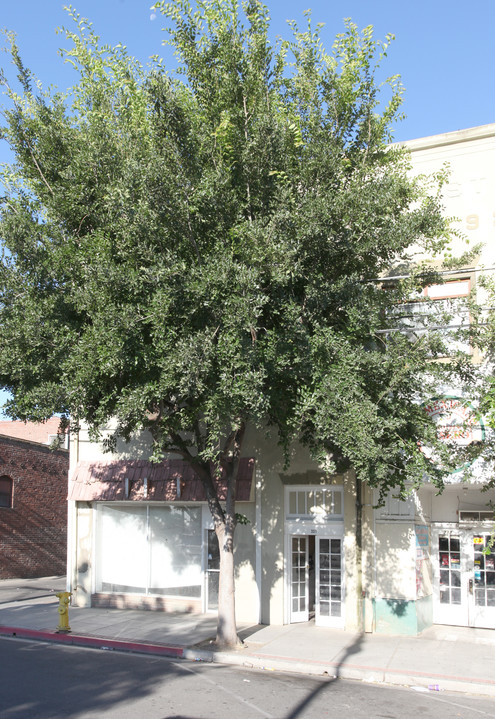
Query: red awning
x=170, y=481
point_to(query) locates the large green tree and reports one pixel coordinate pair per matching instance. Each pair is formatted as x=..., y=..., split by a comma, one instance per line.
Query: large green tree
x=189, y=254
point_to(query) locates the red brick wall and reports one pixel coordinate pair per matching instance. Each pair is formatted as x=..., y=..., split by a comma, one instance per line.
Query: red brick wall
x=33, y=533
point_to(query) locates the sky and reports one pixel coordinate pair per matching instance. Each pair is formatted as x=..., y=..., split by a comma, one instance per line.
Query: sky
x=443, y=49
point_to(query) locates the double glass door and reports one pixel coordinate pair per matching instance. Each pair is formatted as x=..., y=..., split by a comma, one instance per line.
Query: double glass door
x=464, y=578
x=316, y=580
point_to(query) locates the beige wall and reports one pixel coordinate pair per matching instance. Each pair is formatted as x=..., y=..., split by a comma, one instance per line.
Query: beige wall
x=469, y=194
x=80, y=575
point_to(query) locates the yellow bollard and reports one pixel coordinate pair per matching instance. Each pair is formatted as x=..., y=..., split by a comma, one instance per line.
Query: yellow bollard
x=63, y=611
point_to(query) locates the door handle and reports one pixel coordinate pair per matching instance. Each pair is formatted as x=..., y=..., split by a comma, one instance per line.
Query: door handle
x=470, y=585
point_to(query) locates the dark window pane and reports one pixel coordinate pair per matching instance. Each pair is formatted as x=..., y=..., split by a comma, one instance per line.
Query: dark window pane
x=455, y=579
x=5, y=492
x=445, y=577
x=455, y=544
x=443, y=544
x=213, y=550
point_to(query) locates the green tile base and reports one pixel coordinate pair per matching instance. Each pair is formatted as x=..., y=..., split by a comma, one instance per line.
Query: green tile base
x=400, y=616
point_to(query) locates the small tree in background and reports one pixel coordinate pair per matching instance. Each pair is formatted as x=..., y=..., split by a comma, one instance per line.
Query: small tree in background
x=194, y=254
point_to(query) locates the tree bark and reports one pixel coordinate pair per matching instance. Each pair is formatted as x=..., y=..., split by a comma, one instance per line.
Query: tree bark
x=226, y=625
x=359, y=555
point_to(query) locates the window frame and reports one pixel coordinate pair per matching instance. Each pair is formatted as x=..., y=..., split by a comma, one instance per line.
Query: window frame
x=9, y=494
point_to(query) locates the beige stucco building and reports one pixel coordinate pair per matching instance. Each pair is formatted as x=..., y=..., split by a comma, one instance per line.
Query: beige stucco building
x=139, y=536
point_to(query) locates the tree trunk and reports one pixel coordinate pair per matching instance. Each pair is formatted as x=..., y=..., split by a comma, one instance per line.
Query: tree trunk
x=225, y=522
x=226, y=626
x=359, y=555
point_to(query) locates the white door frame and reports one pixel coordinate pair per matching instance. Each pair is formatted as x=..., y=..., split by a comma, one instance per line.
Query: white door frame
x=302, y=598
x=328, y=618
x=466, y=613
x=329, y=530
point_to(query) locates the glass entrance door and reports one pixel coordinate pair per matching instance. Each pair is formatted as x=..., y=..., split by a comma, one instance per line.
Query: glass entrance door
x=329, y=582
x=482, y=584
x=316, y=580
x=299, y=585
x=464, y=579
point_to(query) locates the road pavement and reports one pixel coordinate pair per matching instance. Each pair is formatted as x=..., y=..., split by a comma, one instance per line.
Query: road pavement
x=49, y=681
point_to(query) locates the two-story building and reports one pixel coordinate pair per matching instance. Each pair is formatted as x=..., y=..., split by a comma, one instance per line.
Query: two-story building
x=141, y=535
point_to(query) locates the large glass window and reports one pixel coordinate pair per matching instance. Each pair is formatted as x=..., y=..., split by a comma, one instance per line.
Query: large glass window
x=175, y=551
x=149, y=550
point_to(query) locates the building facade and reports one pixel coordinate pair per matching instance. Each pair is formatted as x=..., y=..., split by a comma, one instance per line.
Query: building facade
x=141, y=535
x=33, y=501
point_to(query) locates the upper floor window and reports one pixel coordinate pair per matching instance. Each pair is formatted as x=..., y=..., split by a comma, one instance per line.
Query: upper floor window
x=312, y=502
x=443, y=309
x=396, y=508
x=6, y=486
x=448, y=290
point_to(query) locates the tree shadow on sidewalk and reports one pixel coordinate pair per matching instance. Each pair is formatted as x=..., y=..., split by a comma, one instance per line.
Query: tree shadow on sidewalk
x=353, y=648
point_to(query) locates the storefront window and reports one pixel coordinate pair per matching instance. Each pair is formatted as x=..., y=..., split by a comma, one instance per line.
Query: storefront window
x=150, y=550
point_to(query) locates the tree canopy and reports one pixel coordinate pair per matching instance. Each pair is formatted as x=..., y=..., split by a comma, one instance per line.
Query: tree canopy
x=193, y=252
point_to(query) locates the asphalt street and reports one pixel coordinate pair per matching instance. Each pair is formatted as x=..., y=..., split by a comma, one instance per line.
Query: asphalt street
x=47, y=681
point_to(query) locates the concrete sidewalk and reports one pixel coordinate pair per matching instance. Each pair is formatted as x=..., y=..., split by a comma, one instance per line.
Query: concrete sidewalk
x=450, y=658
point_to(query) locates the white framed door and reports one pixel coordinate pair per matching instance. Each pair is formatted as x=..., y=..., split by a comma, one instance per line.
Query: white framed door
x=481, y=593
x=463, y=578
x=329, y=591
x=299, y=579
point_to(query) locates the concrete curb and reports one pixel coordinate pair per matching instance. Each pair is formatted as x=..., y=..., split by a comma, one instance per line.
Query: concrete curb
x=93, y=642
x=367, y=674
x=333, y=670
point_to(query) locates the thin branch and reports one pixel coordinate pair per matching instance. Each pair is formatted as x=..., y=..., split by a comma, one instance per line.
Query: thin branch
x=246, y=137
x=26, y=139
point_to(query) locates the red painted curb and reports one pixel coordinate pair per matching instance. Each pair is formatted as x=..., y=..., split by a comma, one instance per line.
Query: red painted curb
x=94, y=642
